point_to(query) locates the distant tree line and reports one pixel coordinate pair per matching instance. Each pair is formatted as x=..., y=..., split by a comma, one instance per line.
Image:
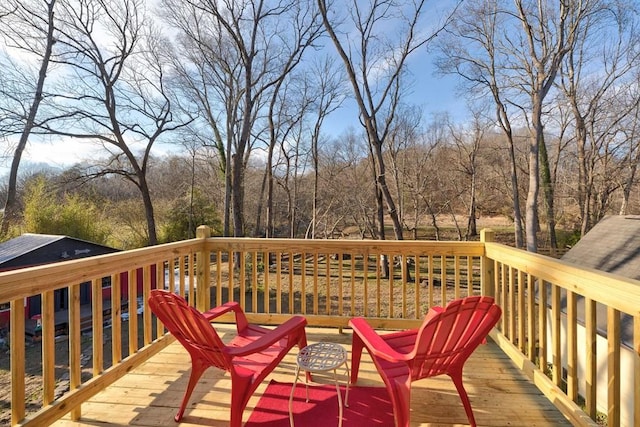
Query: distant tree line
x=245, y=88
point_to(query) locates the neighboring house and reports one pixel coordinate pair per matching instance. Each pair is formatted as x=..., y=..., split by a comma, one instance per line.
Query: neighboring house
x=613, y=246
x=30, y=250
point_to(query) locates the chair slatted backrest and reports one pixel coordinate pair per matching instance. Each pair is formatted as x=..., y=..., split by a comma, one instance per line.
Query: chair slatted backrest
x=446, y=340
x=189, y=327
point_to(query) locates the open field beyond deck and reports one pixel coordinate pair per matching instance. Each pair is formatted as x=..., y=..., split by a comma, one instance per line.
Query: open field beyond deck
x=149, y=395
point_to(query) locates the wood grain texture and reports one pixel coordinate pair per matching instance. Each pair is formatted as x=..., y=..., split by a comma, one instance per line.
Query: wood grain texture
x=150, y=394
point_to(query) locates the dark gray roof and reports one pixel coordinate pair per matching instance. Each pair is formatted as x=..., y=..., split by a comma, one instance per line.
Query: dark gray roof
x=37, y=249
x=612, y=245
x=18, y=246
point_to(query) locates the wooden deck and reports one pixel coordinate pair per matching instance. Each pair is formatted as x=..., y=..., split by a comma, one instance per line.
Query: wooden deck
x=149, y=396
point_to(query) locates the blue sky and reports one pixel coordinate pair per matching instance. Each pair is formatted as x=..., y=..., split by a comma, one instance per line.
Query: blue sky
x=434, y=94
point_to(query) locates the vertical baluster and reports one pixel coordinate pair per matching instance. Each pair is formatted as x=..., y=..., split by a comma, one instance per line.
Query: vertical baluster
x=470, y=290
x=391, y=294
x=316, y=301
x=192, y=279
x=591, y=359
x=352, y=257
x=572, y=346
x=456, y=276
x=146, y=313
x=161, y=285
x=556, y=329
x=443, y=280
x=521, y=312
x=97, y=336
x=242, y=279
x=290, y=270
x=17, y=360
x=133, y=310
x=279, y=281
x=430, y=283
x=416, y=288
x=254, y=281
x=504, y=302
x=303, y=276
x=340, y=286
x=327, y=275
x=230, y=268
x=116, y=318
x=542, y=325
x=403, y=281
x=181, y=276
x=75, y=346
x=378, y=284
x=531, y=319
x=49, y=347
x=365, y=283
x=267, y=284
x=219, y=279
x=613, y=363
x=511, y=290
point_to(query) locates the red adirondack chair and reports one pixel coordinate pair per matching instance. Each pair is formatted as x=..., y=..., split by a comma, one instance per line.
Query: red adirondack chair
x=250, y=356
x=441, y=345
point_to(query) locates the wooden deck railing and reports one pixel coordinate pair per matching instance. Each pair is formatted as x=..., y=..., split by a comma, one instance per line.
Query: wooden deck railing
x=329, y=282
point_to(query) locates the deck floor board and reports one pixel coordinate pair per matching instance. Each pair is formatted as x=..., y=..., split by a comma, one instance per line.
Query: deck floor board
x=499, y=392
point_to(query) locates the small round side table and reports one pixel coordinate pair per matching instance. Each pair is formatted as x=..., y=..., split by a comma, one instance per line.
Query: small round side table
x=321, y=357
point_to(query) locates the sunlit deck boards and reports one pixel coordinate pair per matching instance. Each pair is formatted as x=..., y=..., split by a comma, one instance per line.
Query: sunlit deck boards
x=149, y=396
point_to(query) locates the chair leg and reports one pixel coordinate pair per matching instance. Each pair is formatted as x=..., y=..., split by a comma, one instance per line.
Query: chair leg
x=239, y=390
x=197, y=369
x=457, y=380
x=356, y=354
x=400, y=392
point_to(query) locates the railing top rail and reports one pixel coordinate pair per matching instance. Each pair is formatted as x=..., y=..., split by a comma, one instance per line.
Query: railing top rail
x=609, y=289
x=25, y=282
x=366, y=246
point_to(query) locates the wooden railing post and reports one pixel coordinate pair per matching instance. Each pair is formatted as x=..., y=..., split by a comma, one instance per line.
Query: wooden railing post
x=487, y=266
x=203, y=270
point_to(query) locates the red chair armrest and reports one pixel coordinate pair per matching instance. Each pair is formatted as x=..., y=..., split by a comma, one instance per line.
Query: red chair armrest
x=270, y=338
x=220, y=310
x=241, y=319
x=376, y=345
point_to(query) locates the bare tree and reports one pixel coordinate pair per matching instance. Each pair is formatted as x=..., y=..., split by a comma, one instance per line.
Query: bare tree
x=375, y=61
x=632, y=158
x=329, y=97
x=522, y=48
x=469, y=50
x=402, y=136
x=248, y=47
x=287, y=108
x=467, y=150
x=29, y=27
x=116, y=89
x=596, y=71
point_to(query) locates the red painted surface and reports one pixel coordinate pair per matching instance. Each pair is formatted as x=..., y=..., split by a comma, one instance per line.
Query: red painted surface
x=442, y=345
x=249, y=357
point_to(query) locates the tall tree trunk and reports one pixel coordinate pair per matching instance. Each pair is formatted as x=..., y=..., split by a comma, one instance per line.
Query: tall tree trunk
x=228, y=189
x=237, y=195
x=10, y=216
x=472, y=229
x=532, y=221
x=148, y=209
x=547, y=186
